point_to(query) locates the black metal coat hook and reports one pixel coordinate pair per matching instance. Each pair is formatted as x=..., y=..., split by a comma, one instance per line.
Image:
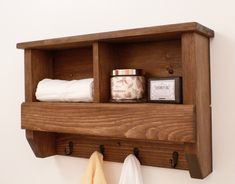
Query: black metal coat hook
x=69, y=150
x=102, y=149
x=174, y=160
x=136, y=152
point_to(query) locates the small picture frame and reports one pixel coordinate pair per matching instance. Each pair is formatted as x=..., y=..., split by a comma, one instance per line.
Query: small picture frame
x=165, y=90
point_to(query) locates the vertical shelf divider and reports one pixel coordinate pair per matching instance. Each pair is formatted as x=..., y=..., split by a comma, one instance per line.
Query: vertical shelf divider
x=103, y=63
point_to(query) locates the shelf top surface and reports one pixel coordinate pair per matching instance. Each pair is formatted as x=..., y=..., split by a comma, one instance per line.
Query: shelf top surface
x=171, y=31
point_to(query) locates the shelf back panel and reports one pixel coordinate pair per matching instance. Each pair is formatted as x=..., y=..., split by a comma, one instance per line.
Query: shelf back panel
x=155, y=58
x=151, y=153
x=73, y=64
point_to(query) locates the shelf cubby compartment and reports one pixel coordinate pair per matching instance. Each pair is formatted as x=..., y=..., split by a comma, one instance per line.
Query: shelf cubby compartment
x=160, y=58
x=64, y=64
x=157, y=130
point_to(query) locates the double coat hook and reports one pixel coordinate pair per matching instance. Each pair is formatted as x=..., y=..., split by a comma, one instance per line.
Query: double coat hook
x=174, y=160
x=69, y=150
x=102, y=149
x=136, y=152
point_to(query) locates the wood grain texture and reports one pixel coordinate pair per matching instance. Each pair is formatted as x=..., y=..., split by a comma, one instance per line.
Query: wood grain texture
x=73, y=64
x=38, y=65
x=196, y=90
x=137, y=121
x=172, y=30
x=151, y=153
x=155, y=58
x=104, y=61
x=42, y=143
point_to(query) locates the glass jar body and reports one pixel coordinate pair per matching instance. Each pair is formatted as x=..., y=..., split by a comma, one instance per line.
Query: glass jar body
x=127, y=88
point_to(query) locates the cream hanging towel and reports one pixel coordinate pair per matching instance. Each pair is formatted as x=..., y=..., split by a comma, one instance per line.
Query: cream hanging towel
x=131, y=171
x=94, y=173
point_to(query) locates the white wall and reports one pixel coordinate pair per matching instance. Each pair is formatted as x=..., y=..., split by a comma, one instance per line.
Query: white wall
x=24, y=20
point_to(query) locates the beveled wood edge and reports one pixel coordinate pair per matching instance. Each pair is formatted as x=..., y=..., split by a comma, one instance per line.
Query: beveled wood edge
x=37, y=140
x=90, y=38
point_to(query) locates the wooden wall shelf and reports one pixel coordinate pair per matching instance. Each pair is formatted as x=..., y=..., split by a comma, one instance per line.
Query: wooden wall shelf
x=157, y=130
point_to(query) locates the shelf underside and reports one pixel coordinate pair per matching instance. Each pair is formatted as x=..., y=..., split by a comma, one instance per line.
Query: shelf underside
x=145, y=121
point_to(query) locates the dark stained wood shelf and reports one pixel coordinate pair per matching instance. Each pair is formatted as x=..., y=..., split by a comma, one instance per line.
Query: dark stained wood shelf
x=157, y=130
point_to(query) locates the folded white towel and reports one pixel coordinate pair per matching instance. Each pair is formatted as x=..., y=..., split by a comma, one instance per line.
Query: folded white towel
x=65, y=91
x=131, y=171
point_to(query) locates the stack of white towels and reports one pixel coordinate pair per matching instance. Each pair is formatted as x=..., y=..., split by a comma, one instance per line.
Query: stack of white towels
x=52, y=90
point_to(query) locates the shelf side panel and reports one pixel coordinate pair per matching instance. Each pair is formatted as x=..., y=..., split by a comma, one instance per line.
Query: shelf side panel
x=137, y=121
x=38, y=65
x=196, y=90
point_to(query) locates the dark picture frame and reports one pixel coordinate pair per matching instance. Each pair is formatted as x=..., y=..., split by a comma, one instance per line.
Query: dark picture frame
x=178, y=89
